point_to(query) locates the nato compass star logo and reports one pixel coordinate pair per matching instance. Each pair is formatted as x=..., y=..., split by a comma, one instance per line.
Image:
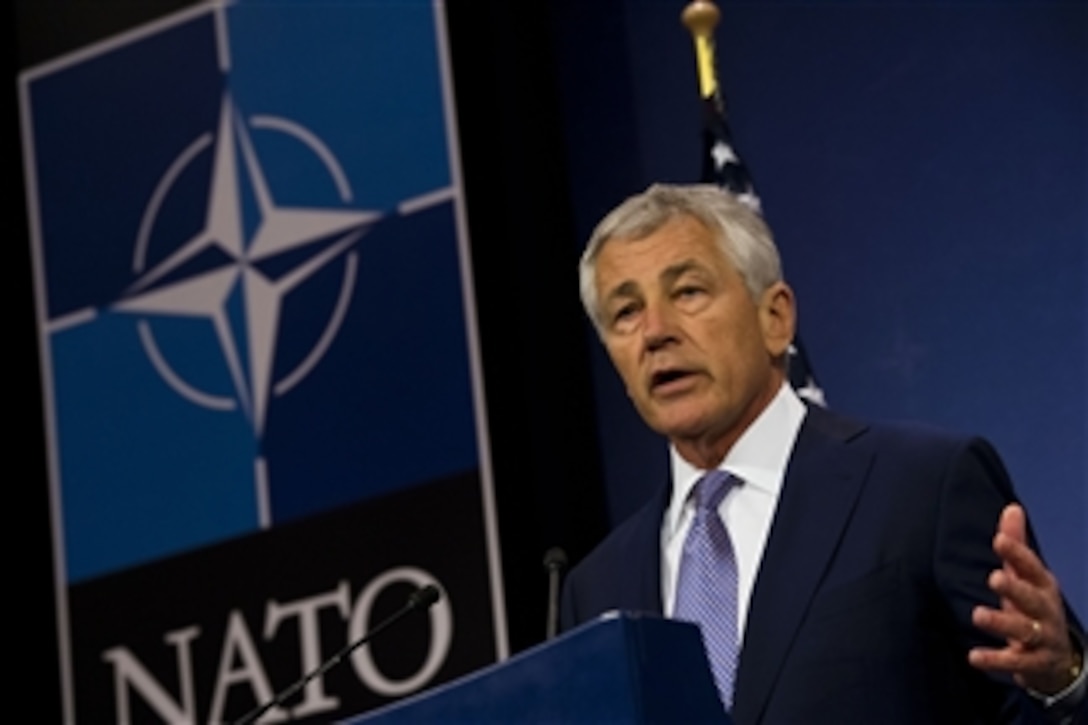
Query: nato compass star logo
x=232, y=338
x=240, y=294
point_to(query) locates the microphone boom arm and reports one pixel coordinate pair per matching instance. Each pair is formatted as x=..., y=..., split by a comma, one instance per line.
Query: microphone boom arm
x=422, y=598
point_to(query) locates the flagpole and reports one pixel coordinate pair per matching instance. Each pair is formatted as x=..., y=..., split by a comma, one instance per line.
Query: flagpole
x=721, y=164
x=701, y=18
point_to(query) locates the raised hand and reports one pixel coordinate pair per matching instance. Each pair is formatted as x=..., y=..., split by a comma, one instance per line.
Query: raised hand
x=1031, y=619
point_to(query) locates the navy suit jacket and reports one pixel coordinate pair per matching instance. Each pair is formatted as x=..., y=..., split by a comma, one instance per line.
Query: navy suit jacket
x=861, y=610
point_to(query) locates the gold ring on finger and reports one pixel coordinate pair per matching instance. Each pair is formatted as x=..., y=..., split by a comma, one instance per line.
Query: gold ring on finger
x=1036, y=635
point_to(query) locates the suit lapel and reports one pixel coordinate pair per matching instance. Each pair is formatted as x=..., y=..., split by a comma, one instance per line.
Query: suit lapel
x=645, y=587
x=819, y=491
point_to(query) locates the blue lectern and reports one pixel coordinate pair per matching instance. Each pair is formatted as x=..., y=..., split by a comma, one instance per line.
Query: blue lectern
x=621, y=668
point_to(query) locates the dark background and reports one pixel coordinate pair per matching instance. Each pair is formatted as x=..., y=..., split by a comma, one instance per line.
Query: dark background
x=925, y=167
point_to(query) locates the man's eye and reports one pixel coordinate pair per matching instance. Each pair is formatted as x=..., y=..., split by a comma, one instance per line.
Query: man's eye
x=688, y=291
x=623, y=317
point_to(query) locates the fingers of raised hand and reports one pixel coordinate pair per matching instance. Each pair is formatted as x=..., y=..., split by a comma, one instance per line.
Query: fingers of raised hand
x=1019, y=559
x=1036, y=654
x=1022, y=632
x=1031, y=614
x=1031, y=618
x=1013, y=522
x=1038, y=597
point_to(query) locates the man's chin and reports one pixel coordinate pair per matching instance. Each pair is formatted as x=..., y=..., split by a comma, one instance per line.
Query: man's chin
x=680, y=425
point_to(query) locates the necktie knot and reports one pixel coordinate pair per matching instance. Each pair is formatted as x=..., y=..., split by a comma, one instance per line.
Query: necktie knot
x=711, y=489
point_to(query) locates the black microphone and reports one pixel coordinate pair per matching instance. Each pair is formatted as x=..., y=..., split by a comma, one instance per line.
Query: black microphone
x=420, y=599
x=555, y=560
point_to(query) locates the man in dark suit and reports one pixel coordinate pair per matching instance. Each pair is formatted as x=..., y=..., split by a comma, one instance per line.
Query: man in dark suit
x=877, y=573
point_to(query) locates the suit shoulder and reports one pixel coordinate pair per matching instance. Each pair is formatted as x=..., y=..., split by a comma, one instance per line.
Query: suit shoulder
x=912, y=450
x=903, y=434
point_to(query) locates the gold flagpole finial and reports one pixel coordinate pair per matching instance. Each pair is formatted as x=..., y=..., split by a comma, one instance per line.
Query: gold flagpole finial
x=701, y=17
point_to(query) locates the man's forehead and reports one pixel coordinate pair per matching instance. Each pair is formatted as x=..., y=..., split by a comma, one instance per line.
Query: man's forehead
x=613, y=287
x=657, y=257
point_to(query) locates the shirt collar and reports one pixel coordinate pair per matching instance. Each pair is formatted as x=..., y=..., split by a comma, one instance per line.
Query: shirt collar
x=758, y=457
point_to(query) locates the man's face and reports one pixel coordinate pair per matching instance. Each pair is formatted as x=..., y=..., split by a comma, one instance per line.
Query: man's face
x=695, y=352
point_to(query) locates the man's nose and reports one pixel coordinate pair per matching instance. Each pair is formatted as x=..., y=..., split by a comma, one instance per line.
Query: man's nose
x=659, y=325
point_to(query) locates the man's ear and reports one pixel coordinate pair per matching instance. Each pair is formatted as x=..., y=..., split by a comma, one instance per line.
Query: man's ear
x=778, y=318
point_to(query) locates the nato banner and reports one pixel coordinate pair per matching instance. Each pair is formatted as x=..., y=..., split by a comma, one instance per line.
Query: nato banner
x=263, y=402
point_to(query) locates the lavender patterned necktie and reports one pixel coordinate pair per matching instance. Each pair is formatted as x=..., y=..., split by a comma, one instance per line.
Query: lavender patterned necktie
x=706, y=591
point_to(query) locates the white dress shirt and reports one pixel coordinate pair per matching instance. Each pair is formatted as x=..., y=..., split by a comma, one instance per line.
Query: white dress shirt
x=759, y=459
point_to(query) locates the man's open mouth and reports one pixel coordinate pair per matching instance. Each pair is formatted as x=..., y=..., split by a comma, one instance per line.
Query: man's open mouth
x=664, y=377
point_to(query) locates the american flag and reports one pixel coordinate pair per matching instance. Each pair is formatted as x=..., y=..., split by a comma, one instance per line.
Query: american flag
x=723, y=166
